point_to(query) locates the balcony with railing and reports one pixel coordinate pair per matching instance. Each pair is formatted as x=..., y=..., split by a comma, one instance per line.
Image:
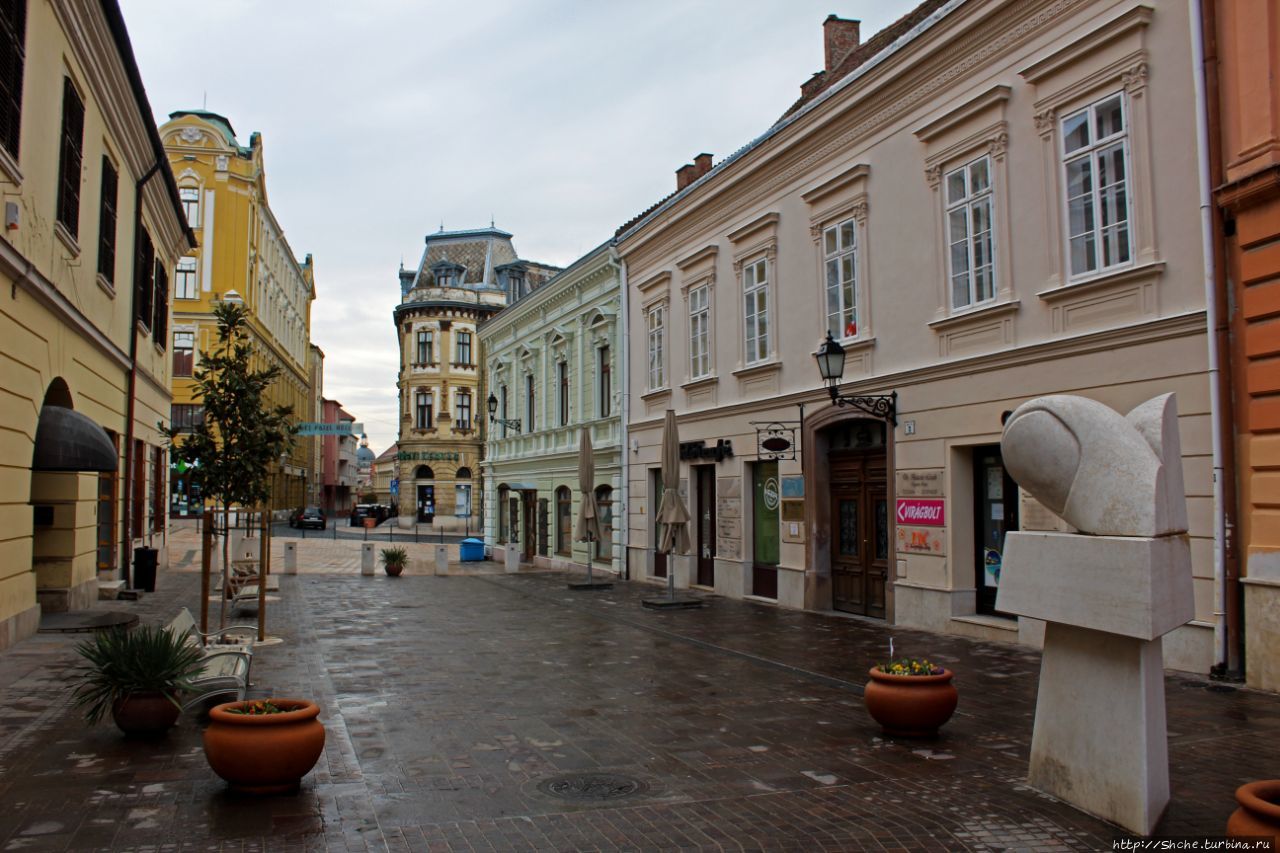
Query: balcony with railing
x=606, y=433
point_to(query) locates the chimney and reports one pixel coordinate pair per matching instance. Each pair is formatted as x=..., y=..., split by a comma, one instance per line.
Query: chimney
x=685, y=175
x=840, y=38
x=703, y=164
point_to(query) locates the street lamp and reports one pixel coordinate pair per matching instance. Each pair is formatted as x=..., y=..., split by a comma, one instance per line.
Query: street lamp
x=830, y=358
x=492, y=403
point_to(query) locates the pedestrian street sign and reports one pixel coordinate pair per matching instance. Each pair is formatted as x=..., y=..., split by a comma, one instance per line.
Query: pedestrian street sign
x=339, y=428
x=395, y=487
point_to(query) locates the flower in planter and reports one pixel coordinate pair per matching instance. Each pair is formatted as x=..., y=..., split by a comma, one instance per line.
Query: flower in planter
x=910, y=666
x=258, y=707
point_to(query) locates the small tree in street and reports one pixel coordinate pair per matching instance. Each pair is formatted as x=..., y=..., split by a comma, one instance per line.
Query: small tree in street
x=234, y=449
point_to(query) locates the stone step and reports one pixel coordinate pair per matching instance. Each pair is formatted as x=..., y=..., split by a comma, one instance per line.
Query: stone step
x=109, y=590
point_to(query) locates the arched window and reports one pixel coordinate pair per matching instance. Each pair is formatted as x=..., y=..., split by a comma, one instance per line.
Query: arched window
x=604, y=503
x=564, y=520
x=424, y=472
x=464, y=473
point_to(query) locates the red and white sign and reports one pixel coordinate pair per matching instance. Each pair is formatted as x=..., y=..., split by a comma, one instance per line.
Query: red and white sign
x=927, y=512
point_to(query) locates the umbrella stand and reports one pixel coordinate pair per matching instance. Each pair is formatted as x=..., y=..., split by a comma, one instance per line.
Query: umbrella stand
x=591, y=582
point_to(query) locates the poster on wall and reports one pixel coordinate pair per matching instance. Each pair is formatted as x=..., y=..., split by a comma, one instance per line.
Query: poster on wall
x=920, y=540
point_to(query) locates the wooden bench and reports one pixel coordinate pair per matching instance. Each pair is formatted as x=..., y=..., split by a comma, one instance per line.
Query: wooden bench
x=225, y=668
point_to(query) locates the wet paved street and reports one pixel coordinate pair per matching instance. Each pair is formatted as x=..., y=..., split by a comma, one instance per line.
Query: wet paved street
x=453, y=704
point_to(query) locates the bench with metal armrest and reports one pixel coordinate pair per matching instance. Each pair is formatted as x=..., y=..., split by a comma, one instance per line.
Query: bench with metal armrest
x=226, y=667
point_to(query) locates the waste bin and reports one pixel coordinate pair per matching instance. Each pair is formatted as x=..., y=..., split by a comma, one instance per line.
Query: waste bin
x=472, y=550
x=144, y=568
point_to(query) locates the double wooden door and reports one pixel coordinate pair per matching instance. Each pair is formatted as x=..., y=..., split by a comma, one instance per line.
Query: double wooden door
x=859, y=531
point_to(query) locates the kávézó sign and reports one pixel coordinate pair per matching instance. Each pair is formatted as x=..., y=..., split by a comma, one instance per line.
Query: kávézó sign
x=926, y=512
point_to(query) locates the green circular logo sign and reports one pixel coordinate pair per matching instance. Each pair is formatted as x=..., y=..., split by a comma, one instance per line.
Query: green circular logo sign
x=771, y=493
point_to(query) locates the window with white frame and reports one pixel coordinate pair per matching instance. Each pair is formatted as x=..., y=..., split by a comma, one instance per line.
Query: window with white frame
x=426, y=347
x=755, y=310
x=463, y=407
x=191, y=205
x=699, y=332
x=562, y=391
x=657, y=363
x=1095, y=151
x=605, y=379
x=969, y=209
x=464, y=347
x=184, y=279
x=530, y=403
x=840, y=263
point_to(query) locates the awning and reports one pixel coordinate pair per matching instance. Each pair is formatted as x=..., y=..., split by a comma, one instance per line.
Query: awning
x=68, y=441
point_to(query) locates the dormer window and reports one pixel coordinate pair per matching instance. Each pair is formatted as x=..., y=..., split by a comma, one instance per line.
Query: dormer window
x=447, y=274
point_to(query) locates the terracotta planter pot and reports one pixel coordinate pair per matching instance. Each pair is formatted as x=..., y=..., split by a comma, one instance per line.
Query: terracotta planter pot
x=144, y=714
x=1259, y=812
x=264, y=753
x=911, y=705
x=393, y=569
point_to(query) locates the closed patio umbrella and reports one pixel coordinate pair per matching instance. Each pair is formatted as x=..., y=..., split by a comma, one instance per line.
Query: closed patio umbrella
x=588, y=527
x=673, y=516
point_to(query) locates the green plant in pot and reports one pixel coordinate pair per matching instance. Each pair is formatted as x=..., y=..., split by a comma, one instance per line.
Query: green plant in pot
x=394, y=560
x=136, y=676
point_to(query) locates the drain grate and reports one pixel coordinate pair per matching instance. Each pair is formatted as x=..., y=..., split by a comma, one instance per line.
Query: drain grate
x=593, y=787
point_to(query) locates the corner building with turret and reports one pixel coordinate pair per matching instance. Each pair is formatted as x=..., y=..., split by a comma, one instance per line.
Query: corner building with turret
x=464, y=278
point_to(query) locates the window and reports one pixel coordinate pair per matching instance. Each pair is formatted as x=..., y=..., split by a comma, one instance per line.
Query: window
x=184, y=346
x=839, y=251
x=184, y=279
x=107, y=221
x=604, y=505
x=464, y=409
x=564, y=520
x=562, y=383
x=423, y=419
x=426, y=347
x=462, y=500
x=606, y=382
x=755, y=310
x=528, y=403
x=464, y=348
x=144, y=278
x=13, y=36
x=699, y=332
x=657, y=371
x=186, y=416
x=969, y=233
x=1095, y=148
x=190, y=197
x=160, y=320
x=138, y=503
x=70, y=158
x=463, y=473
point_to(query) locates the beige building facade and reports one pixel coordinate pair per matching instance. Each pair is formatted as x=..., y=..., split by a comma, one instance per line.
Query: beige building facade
x=981, y=205
x=92, y=224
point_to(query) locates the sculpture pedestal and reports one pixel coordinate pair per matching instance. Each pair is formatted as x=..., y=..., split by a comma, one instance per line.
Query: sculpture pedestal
x=1099, y=741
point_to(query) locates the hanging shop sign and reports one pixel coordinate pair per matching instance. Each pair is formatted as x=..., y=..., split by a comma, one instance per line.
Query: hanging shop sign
x=776, y=439
x=339, y=428
x=694, y=450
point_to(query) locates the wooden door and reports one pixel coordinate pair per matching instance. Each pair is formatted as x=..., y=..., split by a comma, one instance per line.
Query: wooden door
x=859, y=532
x=706, y=524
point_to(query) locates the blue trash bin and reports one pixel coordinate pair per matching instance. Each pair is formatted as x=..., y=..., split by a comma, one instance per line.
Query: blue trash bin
x=472, y=550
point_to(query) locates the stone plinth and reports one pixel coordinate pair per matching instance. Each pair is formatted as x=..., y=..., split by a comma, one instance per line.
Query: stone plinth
x=1129, y=585
x=367, y=558
x=291, y=558
x=1108, y=754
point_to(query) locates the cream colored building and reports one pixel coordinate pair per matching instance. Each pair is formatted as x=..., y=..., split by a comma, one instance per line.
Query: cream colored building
x=551, y=358
x=85, y=367
x=985, y=203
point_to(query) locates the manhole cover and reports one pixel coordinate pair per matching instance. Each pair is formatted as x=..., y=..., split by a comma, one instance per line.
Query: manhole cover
x=592, y=787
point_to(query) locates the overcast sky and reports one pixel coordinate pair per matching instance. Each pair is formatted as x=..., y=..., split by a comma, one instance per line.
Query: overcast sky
x=559, y=119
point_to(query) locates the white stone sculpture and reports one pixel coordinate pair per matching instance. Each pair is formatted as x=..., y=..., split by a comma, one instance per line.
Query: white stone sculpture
x=1107, y=594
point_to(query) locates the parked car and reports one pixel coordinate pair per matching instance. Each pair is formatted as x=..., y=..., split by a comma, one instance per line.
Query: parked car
x=360, y=512
x=312, y=516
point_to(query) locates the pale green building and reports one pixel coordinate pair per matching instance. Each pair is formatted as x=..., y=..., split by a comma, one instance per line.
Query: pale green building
x=552, y=361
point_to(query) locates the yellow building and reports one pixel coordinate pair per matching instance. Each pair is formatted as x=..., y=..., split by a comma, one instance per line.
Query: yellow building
x=92, y=225
x=242, y=256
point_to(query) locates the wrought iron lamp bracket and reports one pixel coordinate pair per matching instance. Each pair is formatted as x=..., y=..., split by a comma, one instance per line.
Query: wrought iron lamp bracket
x=509, y=424
x=878, y=405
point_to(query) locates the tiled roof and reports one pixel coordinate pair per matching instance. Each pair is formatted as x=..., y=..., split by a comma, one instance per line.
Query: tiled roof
x=814, y=87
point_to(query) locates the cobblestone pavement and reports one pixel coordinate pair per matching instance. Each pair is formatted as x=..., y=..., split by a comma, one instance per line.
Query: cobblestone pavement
x=452, y=704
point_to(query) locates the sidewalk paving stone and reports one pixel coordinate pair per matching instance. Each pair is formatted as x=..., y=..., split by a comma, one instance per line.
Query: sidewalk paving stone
x=448, y=701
